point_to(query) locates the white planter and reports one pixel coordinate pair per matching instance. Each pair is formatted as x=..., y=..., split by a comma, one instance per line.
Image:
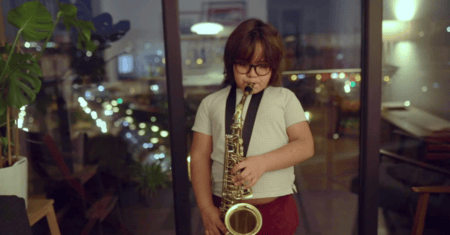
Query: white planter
x=14, y=179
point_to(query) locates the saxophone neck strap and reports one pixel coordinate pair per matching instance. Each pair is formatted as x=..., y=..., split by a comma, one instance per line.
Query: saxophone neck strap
x=249, y=118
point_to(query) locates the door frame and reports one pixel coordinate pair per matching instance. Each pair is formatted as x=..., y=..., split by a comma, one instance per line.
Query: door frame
x=177, y=120
x=368, y=198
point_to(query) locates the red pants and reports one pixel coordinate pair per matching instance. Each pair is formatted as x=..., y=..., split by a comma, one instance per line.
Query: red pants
x=279, y=216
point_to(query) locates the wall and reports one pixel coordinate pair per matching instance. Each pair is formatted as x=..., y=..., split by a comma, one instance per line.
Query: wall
x=146, y=24
x=423, y=76
x=320, y=16
x=322, y=34
x=146, y=27
x=422, y=56
x=255, y=8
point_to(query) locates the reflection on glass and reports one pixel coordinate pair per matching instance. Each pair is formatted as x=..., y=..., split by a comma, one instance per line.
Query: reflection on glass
x=125, y=64
x=405, y=9
x=415, y=116
x=322, y=67
x=111, y=104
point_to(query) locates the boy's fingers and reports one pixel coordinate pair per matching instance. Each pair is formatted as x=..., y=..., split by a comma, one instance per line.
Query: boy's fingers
x=245, y=173
x=223, y=228
x=238, y=181
x=215, y=230
x=237, y=178
x=251, y=184
x=238, y=167
x=244, y=182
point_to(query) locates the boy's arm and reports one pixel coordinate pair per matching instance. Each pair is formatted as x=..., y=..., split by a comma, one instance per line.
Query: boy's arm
x=201, y=169
x=201, y=182
x=299, y=148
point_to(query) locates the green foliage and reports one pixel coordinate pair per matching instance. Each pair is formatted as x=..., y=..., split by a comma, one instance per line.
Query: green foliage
x=84, y=36
x=19, y=79
x=22, y=80
x=85, y=28
x=4, y=142
x=150, y=177
x=33, y=20
x=69, y=14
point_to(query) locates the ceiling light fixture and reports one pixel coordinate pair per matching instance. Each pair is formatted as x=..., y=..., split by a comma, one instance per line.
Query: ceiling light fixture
x=206, y=28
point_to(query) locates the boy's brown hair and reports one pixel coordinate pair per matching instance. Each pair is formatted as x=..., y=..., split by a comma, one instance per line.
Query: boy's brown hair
x=241, y=45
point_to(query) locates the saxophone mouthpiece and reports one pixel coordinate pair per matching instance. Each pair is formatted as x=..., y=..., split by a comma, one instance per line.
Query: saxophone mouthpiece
x=249, y=88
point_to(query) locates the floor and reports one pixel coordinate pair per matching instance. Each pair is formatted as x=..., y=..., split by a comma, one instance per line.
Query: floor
x=326, y=205
x=322, y=213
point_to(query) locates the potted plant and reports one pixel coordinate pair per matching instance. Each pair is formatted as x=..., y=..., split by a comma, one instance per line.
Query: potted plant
x=149, y=178
x=20, y=83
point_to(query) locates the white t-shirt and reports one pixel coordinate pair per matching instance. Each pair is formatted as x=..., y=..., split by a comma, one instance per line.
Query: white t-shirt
x=279, y=109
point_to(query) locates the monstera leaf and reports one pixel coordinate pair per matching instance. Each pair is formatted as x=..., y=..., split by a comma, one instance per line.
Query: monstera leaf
x=69, y=17
x=33, y=19
x=85, y=35
x=69, y=14
x=22, y=80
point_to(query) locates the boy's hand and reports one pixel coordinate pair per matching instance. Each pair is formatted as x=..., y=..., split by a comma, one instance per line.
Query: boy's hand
x=252, y=169
x=212, y=222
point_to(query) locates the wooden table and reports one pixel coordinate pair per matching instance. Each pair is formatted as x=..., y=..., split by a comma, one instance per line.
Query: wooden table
x=432, y=131
x=418, y=123
x=38, y=208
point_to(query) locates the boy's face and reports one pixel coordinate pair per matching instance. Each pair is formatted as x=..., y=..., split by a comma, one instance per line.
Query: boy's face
x=261, y=82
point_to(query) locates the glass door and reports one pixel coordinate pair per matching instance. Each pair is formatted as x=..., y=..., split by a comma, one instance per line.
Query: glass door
x=323, y=69
x=131, y=106
x=415, y=119
x=110, y=110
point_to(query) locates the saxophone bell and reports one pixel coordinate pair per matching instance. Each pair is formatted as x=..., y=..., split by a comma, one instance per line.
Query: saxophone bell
x=243, y=219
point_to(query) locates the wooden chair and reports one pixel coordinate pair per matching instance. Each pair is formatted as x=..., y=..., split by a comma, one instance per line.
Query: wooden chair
x=422, y=205
x=96, y=209
x=99, y=209
x=423, y=191
x=38, y=209
x=56, y=170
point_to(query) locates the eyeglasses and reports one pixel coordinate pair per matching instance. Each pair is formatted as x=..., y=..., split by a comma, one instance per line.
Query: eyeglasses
x=244, y=68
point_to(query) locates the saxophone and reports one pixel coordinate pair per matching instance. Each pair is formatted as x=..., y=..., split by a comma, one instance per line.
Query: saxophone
x=239, y=218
